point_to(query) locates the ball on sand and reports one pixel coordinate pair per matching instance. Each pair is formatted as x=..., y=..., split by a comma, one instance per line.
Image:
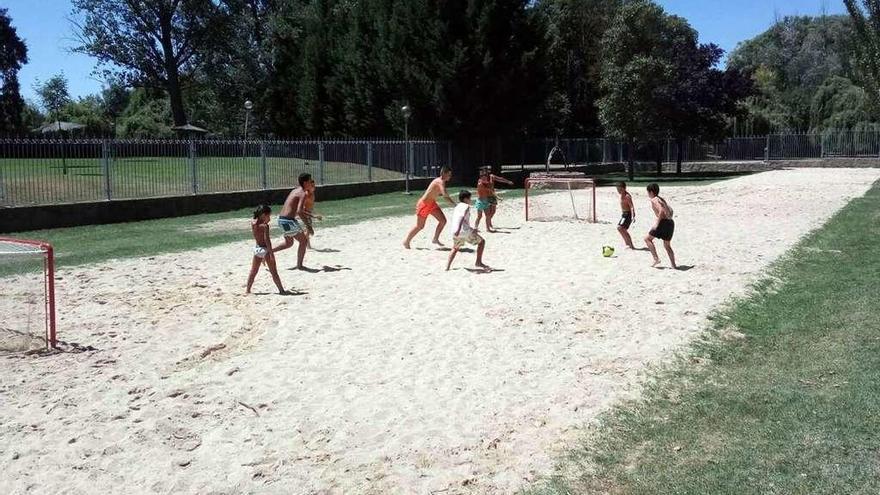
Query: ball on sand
x=607, y=251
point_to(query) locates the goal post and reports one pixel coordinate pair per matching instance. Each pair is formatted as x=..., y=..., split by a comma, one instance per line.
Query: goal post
x=560, y=196
x=27, y=295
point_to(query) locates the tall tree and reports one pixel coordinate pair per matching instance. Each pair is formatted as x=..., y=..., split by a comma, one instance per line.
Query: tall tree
x=13, y=54
x=153, y=43
x=867, y=28
x=639, y=71
x=53, y=95
x=574, y=30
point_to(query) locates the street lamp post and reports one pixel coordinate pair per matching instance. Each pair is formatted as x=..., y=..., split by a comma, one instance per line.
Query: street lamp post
x=248, y=106
x=406, y=113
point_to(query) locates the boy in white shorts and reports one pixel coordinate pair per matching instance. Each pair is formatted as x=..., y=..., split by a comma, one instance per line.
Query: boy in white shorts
x=263, y=249
x=463, y=233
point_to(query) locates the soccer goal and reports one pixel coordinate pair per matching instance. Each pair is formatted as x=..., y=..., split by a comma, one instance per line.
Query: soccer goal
x=27, y=295
x=560, y=196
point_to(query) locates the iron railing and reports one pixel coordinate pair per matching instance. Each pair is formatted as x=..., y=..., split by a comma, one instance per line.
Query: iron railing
x=50, y=171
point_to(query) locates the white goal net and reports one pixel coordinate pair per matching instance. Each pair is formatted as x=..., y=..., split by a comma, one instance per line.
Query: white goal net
x=27, y=295
x=560, y=196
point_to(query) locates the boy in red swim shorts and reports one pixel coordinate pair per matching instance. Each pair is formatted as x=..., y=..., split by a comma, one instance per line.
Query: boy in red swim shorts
x=427, y=206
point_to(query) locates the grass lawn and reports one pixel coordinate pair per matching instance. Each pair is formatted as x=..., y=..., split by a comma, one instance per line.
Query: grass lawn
x=43, y=181
x=782, y=396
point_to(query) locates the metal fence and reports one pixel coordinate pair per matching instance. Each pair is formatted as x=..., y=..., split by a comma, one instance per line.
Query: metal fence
x=44, y=171
x=534, y=153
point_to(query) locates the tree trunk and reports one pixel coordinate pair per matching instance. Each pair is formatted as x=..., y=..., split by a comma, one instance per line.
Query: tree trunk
x=631, y=163
x=172, y=79
x=678, y=156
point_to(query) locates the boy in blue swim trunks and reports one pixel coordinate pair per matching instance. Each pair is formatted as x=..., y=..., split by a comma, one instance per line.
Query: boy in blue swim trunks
x=295, y=206
x=486, y=198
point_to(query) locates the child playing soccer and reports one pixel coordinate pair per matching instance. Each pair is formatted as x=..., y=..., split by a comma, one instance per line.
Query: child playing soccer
x=263, y=250
x=427, y=205
x=486, y=198
x=309, y=208
x=462, y=233
x=664, y=226
x=294, y=206
x=628, y=215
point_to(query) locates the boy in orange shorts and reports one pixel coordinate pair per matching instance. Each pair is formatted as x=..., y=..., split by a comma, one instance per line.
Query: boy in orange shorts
x=427, y=206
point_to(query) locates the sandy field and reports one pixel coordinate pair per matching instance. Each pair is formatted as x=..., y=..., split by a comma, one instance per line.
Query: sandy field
x=385, y=374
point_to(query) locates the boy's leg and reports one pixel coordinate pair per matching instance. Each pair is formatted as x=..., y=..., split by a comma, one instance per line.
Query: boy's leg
x=270, y=263
x=255, y=267
x=451, y=257
x=480, y=247
x=420, y=224
x=489, y=214
x=480, y=217
x=670, y=252
x=288, y=241
x=301, y=251
x=649, y=241
x=441, y=222
x=627, y=239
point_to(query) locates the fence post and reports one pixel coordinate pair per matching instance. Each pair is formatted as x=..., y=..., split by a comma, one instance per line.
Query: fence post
x=105, y=168
x=320, y=162
x=410, y=163
x=369, y=161
x=767, y=149
x=603, y=151
x=264, y=172
x=192, y=167
x=821, y=144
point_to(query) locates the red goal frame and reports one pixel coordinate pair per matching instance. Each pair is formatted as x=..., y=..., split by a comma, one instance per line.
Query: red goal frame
x=48, y=282
x=570, y=178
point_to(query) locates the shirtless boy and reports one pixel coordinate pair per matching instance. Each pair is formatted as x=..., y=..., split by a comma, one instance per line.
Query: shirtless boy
x=627, y=216
x=486, y=198
x=663, y=228
x=294, y=206
x=427, y=205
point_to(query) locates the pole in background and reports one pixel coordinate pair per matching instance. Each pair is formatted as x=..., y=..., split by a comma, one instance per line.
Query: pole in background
x=248, y=106
x=406, y=114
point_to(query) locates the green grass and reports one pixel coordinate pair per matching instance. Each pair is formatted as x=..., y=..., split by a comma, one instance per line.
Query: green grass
x=43, y=181
x=790, y=406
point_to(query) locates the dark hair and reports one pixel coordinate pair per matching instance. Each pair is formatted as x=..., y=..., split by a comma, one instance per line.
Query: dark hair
x=463, y=195
x=262, y=209
x=444, y=169
x=621, y=184
x=304, y=177
x=653, y=188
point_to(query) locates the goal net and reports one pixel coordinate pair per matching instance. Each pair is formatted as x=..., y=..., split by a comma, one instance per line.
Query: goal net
x=560, y=196
x=27, y=295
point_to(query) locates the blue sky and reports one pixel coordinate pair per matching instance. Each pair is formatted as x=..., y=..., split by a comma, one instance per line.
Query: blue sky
x=44, y=26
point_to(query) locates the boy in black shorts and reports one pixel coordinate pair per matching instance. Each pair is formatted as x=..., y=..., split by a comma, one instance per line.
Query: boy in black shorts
x=663, y=228
x=627, y=216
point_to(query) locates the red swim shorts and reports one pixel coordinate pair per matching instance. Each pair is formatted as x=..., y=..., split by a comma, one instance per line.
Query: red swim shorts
x=425, y=208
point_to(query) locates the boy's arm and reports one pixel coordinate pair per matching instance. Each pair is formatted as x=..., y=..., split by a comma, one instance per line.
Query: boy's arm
x=446, y=194
x=501, y=179
x=267, y=239
x=632, y=208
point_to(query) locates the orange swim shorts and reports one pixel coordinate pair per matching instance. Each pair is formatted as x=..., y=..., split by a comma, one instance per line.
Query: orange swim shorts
x=425, y=208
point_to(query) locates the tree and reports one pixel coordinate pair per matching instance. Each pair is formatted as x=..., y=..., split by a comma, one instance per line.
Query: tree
x=789, y=62
x=53, y=95
x=13, y=54
x=639, y=71
x=839, y=104
x=867, y=49
x=145, y=116
x=154, y=43
x=574, y=30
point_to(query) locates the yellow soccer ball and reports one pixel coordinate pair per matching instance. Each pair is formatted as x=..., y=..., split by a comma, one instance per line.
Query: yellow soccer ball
x=607, y=251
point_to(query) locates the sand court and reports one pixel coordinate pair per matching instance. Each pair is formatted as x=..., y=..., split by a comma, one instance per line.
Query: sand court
x=384, y=374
